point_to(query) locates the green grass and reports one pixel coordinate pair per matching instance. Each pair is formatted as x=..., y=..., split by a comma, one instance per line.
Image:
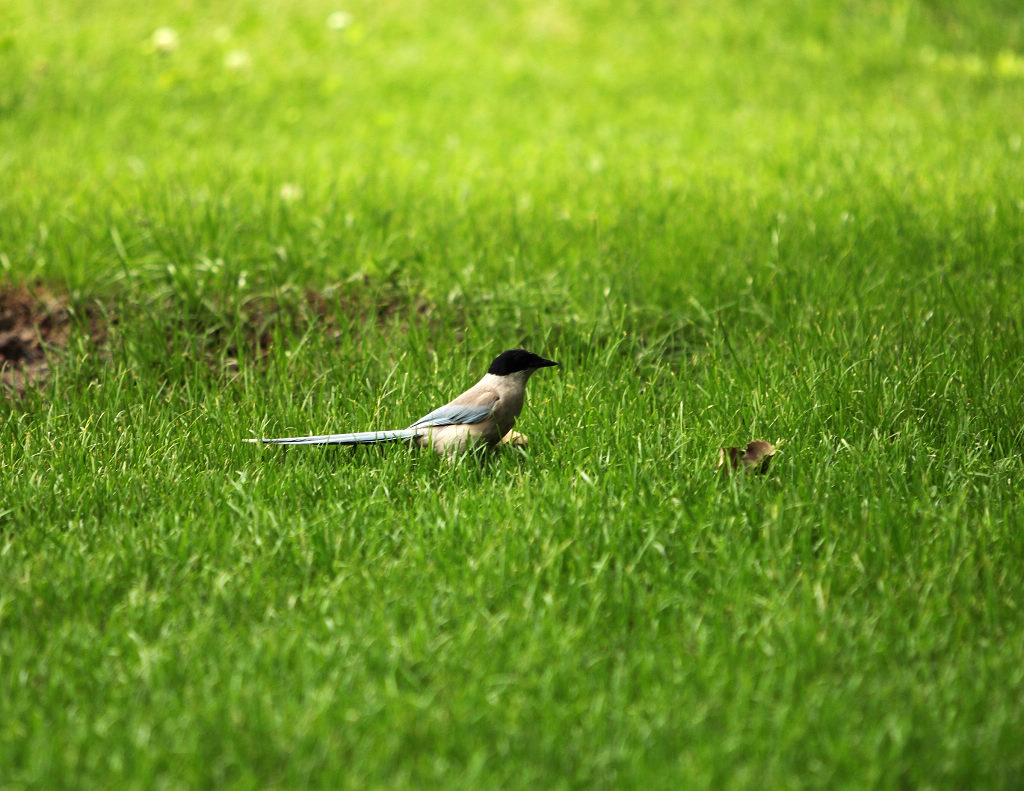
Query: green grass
x=727, y=220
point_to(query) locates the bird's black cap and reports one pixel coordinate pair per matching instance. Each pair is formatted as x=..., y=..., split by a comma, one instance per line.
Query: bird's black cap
x=517, y=360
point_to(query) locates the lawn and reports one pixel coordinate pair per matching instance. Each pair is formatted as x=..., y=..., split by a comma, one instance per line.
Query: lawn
x=802, y=222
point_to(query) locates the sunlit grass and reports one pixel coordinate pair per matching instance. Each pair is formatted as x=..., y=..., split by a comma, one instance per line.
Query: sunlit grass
x=726, y=222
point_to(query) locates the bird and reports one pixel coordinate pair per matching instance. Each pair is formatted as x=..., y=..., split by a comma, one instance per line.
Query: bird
x=482, y=415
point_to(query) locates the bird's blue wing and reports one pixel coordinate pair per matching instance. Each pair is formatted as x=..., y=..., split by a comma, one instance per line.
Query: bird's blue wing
x=455, y=415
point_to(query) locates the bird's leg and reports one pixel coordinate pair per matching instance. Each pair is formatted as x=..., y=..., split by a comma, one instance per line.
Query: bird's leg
x=515, y=439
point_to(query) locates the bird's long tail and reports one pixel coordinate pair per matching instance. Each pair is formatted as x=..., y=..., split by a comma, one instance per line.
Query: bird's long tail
x=359, y=438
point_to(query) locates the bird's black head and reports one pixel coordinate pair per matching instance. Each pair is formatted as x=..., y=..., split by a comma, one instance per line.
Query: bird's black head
x=515, y=360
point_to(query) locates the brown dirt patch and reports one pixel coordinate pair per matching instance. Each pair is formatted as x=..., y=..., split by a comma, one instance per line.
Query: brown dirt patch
x=34, y=322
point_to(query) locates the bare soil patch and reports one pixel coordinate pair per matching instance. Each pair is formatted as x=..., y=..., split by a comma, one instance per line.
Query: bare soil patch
x=36, y=323
x=33, y=323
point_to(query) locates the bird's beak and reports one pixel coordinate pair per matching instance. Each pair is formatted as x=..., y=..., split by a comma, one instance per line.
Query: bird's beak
x=546, y=363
